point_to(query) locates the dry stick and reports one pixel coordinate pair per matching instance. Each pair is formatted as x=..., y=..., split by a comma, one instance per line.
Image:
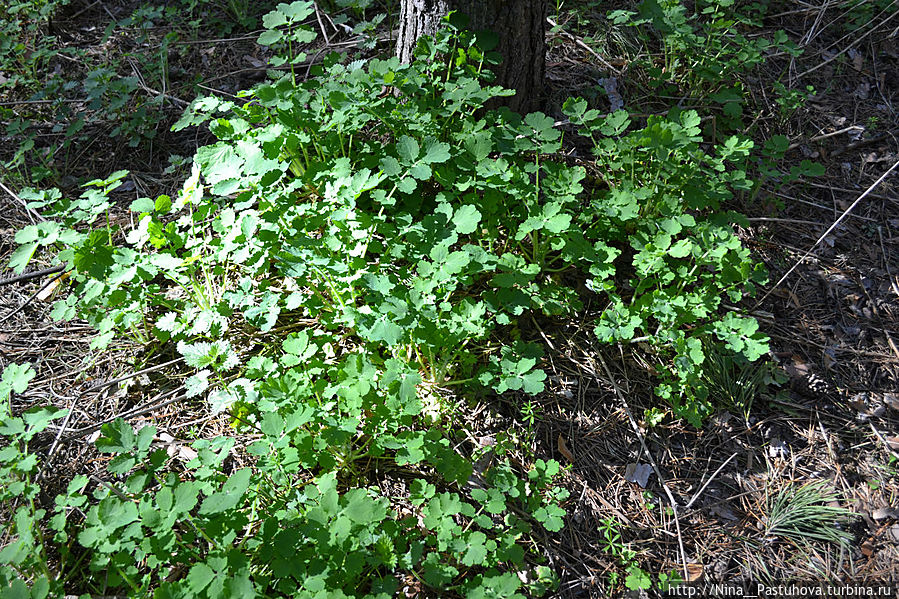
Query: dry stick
x=31, y=299
x=658, y=471
x=825, y=136
x=858, y=144
x=82, y=11
x=254, y=36
x=31, y=213
x=583, y=45
x=34, y=274
x=886, y=443
x=62, y=428
x=321, y=25
x=711, y=478
x=810, y=34
x=857, y=41
x=134, y=374
x=81, y=432
x=826, y=233
x=841, y=190
x=822, y=206
x=771, y=219
x=29, y=102
x=843, y=15
x=150, y=90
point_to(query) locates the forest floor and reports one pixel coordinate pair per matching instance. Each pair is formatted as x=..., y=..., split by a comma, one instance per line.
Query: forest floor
x=833, y=318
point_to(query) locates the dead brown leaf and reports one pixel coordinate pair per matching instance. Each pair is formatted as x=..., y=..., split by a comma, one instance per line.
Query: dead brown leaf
x=563, y=448
x=50, y=290
x=868, y=547
x=695, y=572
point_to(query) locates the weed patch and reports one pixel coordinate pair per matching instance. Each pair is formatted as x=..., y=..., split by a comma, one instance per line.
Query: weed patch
x=351, y=244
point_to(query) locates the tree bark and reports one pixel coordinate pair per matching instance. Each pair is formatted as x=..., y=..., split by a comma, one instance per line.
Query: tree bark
x=519, y=25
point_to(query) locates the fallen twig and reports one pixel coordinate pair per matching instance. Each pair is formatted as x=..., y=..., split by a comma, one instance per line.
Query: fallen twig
x=826, y=233
x=583, y=45
x=32, y=298
x=34, y=274
x=32, y=214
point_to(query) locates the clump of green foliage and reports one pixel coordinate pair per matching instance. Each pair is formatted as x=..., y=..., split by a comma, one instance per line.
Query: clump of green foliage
x=704, y=53
x=349, y=244
x=289, y=526
x=123, y=92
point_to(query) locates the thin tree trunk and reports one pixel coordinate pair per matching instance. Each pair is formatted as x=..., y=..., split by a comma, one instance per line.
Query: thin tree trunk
x=519, y=25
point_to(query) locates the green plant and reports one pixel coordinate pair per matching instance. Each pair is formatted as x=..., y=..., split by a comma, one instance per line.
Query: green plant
x=860, y=13
x=734, y=383
x=338, y=256
x=803, y=514
x=25, y=53
x=24, y=48
x=791, y=100
x=320, y=224
x=277, y=529
x=425, y=242
x=682, y=263
x=635, y=578
x=24, y=567
x=703, y=54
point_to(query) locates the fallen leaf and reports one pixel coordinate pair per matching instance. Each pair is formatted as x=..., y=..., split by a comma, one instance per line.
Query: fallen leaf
x=868, y=548
x=830, y=358
x=638, y=473
x=882, y=513
x=858, y=59
x=787, y=294
x=252, y=60
x=50, y=290
x=694, y=572
x=796, y=367
x=893, y=533
x=722, y=511
x=187, y=453
x=893, y=442
x=563, y=449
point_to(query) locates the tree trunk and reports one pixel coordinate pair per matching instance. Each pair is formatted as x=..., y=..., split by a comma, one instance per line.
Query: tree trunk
x=519, y=25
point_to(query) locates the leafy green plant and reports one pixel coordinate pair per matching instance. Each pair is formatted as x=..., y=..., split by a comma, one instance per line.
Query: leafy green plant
x=635, y=578
x=427, y=241
x=791, y=100
x=350, y=245
x=682, y=264
x=860, y=13
x=702, y=54
x=24, y=567
x=276, y=528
